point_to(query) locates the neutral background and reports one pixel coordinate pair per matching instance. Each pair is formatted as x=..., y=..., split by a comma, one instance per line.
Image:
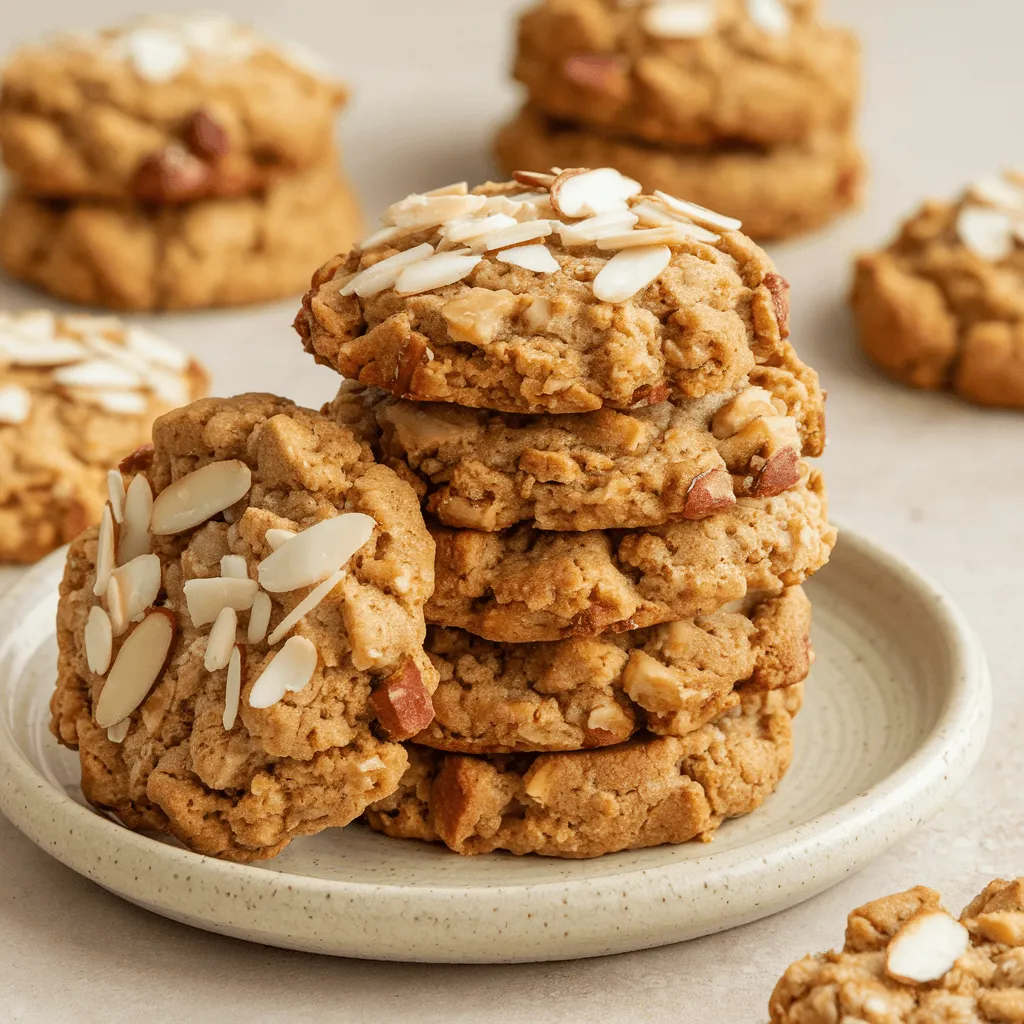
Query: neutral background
x=939, y=481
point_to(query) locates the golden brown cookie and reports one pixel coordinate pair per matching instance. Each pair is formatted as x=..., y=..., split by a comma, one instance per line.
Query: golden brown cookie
x=166, y=109
x=907, y=961
x=215, y=252
x=241, y=640
x=787, y=190
x=700, y=73
x=647, y=792
x=595, y=692
x=77, y=393
x=553, y=293
x=943, y=305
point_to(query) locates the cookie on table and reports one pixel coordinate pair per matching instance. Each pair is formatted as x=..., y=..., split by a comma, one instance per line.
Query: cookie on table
x=77, y=393
x=523, y=584
x=787, y=190
x=644, y=793
x=165, y=109
x=694, y=73
x=581, y=693
x=943, y=305
x=215, y=252
x=241, y=640
x=907, y=961
x=557, y=293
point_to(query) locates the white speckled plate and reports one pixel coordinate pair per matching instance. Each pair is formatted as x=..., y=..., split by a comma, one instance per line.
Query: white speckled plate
x=896, y=716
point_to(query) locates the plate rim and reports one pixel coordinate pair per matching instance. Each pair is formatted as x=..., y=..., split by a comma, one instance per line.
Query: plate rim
x=955, y=741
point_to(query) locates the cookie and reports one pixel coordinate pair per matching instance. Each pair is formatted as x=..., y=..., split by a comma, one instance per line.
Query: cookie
x=523, y=585
x=787, y=190
x=764, y=72
x=943, y=305
x=239, y=657
x=644, y=793
x=627, y=300
x=167, y=109
x=580, y=693
x=907, y=961
x=76, y=394
x=217, y=252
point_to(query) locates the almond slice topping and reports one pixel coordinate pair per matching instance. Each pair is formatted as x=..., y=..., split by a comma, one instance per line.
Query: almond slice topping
x=537, y=258
x=459, y=188
x=221, y=641
x=770, y=16
x=997, y=192
x=383, y=275
x=518, y=233
x=313, y=555
x=15, y=404
x=439, y=270
x=99, y=640
x=118, y=403
x=586, y=232
x=97, y=373
x=700, y=214
x=986, y=232
x=206, y=598
x=685, y=19
x=104, y=552
x=138, y=510
x=117, y=607
x=259, y=617
x=473, y=227
x=138, y=585
x=421, y=211
x=584, y=193
x=630, y=272
x=926, y=948
x=677, y=234
x=289, y=671
x=275, y=537
x=234, y=567
x=232, y=689
x=305, y=606
x=136, y=668
x=199, y=496
x=22, y=352
x=536, y=179
x=154, y=349
x=116, y=492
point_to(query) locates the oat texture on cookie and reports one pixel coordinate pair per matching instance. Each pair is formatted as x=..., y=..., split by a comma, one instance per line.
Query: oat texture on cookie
x=241, y=638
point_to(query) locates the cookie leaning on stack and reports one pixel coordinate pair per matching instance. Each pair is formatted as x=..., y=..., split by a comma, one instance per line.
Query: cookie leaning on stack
x=593, y=393
x=175, y=163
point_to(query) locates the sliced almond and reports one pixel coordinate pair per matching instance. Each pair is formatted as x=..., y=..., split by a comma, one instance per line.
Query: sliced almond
x=154, y=349
x=117, y=607
x=423, y=211
x=232, y=689
x=586, y=232
x=15, y=404
x=116, y=493
x=383, y=237
x=139, y=583
x=136, y=668
x=997, y=192
x=138, y=510
x=459, y=188
x=537, y=258
x=275, y=537
x=206, y=598
x=26, y=352
x=676, y=234
x=536, y=179
x=700, y=214
x=104, y=552
x=435, y=272
x=305, y=606
x=199, y=496
x=289, y=671
x=117, y=403
x=117, y=733
x=926, y=948
x=585, y=193
x=313, y=555
x=771, y=16
x=234, y=567
x=383, y=275
x=221, y=641
x=259, y=617
x=39, y=324
x=515, y=235
x=630, y=272
x=986, y=232
x=473, y=227
x=97, y=373
x=684, y=19
x=99, y=640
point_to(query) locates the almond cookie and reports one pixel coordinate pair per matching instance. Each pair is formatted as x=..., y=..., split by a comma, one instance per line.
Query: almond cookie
x=943, y=305
x=787, y=190
x=216, y=252
x=524, y=584
x=557, y=293
x=76, y=394
x=647, y=792
x=698, y=73
x=167, y=109
x=590, y=471
x=241, y=640
x=580, y=693
x=907, y=961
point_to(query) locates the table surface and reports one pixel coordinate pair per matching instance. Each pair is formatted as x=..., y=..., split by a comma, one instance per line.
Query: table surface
x=936, y=480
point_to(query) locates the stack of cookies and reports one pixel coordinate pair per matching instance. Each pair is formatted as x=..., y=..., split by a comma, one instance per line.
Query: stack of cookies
x=175, y=163
x=592, y=392
x=746, y=106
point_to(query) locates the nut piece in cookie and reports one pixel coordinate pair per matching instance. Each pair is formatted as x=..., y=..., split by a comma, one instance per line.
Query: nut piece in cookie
x=256, y=582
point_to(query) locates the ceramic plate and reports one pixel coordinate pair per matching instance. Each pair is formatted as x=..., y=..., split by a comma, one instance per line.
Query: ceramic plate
x=897, y=712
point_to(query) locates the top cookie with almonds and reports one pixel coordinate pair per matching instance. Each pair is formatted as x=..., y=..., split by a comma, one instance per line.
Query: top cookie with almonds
x=166, y=109
x=690, y=72
x=557, y=292
x=907, y=961
x=241, y=639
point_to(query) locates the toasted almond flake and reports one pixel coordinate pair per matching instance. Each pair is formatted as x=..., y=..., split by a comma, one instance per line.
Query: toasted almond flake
x=584, y=193
x=119, y=403
x=537, y=179
x=770, y=16
x=156, y=54
x=40, y=324
x=275, y=537
x=687, y=19
x=926, y=948
x=259, y=618
x=630, y=271
x=116, y=493
x=658, y=215
x=117, y=607
x=997, y=192
x=154, y=349
x=199, y=496
x=117, y=733
x=313, y=555
x=232, y=689
x=206, y=598
x=384, y=274
x=97, y=373
x=99, y=640
x=169, y=387
x=104, y=552
x=234, y=567
x=986, y=232
x=15, y=404
x=289, y=671
x=138, y=509
x=700, y=214
x=465, y=228
x=460, y=188
x=676, y=234
x=305, y=606
x=421, y=211
x=221, y=641
x=136, y=668
x=23, y=351
x=586, y=232
x=435, y=272
x=85, y=323
x=511, y=206
x=537, y=258
x=510, y=236
x=139, y=583
x=382, y=237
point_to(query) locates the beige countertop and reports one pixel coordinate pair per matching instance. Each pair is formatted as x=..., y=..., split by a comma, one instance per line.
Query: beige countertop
x=938, y=481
